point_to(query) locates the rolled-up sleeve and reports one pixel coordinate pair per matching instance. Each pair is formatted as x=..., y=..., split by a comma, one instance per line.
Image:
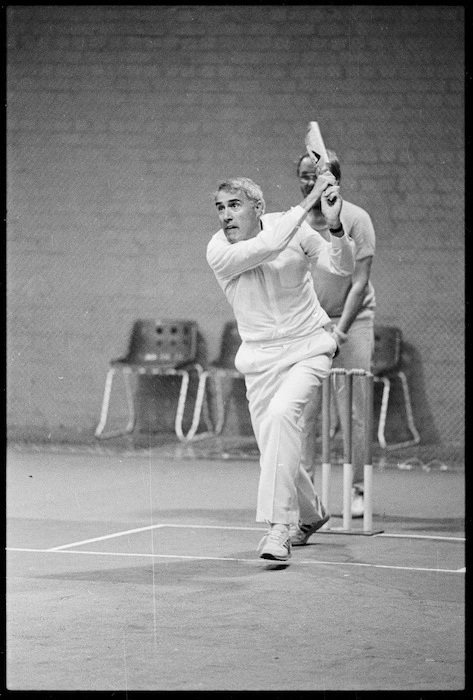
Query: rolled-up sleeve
x=336, y=256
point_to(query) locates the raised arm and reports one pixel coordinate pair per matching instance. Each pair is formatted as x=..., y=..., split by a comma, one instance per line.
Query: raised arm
x=232, y=259
x=338, y=254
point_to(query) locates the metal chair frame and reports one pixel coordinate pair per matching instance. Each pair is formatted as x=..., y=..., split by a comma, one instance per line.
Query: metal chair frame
x=130, y=426
x=127, y=369
x=385, y=377
x=217, y=371
x=217, y=374
x=386, y=381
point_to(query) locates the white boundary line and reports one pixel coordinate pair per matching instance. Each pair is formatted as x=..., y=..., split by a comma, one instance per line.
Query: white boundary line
x=150, y=527
x=226, y=527
x=104, y=537
x=423, y=537
x=248, y=561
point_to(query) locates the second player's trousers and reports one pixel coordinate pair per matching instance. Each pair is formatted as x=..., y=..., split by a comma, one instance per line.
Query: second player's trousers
x=356, y=353
x=280, y=376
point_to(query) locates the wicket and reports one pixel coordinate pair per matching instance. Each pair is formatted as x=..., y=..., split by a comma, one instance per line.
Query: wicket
x=366, y=378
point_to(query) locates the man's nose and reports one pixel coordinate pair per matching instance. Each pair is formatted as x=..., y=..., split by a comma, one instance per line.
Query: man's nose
x=227, y=215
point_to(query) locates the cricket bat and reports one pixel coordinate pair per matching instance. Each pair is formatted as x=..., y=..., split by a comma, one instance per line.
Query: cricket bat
x=314, y=144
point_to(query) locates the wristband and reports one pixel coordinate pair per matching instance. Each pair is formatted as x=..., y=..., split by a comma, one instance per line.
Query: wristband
x=336, y=230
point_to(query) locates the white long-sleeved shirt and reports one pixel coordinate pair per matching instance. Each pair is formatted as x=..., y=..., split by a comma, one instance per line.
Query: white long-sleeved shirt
x=267, y=279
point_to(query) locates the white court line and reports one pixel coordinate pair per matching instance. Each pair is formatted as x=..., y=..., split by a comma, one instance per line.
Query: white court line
x=149, y=527
x=224, y=527
x=104, y=537
x=423, y=537
x=250, y=561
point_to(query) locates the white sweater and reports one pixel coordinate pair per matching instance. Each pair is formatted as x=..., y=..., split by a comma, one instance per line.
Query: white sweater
x=267, y=279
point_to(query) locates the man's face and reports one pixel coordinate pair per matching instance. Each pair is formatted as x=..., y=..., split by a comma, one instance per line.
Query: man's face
x=308, y=172
x=238, y=215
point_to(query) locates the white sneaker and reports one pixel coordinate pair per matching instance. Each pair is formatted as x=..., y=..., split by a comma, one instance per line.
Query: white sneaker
x=276, y=544
x=357, y=502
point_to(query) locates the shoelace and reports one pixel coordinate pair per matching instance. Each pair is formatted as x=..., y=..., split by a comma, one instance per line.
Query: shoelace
x=274, y=536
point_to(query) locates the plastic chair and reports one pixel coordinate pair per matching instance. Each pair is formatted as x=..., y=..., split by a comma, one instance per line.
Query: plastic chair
x=222, y=368
x=156, y=347
x=386, y=367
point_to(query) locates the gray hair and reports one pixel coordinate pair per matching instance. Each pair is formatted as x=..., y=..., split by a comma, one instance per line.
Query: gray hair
x=244, y=184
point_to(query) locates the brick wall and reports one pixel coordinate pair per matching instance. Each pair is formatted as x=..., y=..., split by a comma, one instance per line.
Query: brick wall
x=122, y=120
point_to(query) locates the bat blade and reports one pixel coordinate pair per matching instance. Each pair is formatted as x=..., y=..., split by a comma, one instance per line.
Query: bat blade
x=314, y=144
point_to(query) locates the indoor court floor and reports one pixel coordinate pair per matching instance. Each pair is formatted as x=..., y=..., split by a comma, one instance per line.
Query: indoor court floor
x=138, y=571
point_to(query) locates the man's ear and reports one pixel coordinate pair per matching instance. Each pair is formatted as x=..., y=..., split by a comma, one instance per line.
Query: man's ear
x=259, y=207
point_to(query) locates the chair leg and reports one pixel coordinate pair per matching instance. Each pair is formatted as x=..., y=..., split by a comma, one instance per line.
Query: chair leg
x=181, y=404
x=205, y=408
x=220, y=422
x=105, y=405
x=409, y=415
x=200, y=402
x=384, y=410
x=131, y=403
x=105, y=402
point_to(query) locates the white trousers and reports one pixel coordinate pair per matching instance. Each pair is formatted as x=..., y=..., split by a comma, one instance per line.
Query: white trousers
x=280, y=377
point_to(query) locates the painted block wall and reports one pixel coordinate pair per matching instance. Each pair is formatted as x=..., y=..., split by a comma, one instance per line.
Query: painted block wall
x=122, y=120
